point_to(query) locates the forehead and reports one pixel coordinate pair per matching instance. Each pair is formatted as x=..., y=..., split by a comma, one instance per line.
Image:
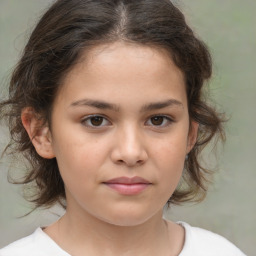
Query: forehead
x=124, y=68
x=125, y=54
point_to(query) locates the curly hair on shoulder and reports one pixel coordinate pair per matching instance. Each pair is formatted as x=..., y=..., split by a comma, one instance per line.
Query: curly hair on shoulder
x=70, y=28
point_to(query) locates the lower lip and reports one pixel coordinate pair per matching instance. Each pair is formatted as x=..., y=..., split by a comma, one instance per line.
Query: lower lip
x=128, y=189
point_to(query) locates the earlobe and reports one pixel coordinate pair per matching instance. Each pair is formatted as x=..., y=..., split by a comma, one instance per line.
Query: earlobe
x=38, y=133
x=192, y=136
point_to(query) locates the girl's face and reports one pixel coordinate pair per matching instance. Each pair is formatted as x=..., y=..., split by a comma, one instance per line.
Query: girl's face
x=120, y=133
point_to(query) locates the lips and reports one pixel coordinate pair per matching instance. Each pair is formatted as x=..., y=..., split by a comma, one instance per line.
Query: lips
x=127, y=185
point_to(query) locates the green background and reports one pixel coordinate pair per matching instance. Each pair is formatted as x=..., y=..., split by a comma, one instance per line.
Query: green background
x=229, y=29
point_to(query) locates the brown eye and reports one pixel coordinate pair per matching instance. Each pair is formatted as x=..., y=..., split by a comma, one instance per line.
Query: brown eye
x=96, y=120
x=157, y=120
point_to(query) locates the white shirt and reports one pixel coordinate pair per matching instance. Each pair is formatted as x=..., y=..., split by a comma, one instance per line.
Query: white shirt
x=201, y=242
x=198, y=242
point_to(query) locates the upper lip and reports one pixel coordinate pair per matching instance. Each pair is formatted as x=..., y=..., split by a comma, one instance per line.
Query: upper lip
x=128, y=180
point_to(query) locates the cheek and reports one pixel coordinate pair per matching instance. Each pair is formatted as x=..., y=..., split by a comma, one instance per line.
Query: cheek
x=171, y=151
x=79, y=145
x=171, y=165
x=78, y=158
x=169, y=160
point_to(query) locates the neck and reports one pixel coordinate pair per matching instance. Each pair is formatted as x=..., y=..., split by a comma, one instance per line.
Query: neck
x=79, y=233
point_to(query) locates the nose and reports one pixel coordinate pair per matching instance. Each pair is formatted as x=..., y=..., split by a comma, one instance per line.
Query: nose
x=129, y=148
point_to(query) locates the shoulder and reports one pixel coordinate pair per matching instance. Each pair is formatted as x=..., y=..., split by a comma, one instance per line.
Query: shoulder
x=37, y=243
x=202, y=242
x=22, y=247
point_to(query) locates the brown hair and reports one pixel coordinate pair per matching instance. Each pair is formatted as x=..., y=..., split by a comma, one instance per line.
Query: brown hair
x=64, y=32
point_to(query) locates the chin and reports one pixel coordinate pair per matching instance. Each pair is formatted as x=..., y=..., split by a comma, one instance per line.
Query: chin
x=128, y=218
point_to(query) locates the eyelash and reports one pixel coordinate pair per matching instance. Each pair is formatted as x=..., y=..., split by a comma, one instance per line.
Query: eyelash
x=166, y=120
x=89, y=118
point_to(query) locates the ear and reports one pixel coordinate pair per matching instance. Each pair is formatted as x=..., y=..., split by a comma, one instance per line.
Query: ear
x=192, y=136
x=38, y=133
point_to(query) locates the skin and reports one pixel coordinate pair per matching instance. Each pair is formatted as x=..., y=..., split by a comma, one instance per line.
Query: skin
x=123, y=141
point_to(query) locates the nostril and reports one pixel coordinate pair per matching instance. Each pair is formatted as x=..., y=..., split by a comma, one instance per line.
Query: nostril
x=120, y=161
x=130, y=163
x=129, y=152
x=140, y=162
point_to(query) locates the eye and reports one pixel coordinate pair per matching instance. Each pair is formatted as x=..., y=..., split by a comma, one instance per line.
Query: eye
x=95, y=121
x=160, y=120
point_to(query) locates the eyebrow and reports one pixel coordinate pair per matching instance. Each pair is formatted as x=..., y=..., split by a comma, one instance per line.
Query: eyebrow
x=161, y=104
x=109, y=106
x=96, y=104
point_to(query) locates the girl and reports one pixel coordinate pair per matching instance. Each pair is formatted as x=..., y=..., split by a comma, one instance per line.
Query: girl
x=106, y=104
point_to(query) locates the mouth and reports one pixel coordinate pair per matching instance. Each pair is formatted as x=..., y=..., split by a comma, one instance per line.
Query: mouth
x=128, y=186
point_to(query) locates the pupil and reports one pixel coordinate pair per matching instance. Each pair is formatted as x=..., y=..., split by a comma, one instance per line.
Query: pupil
x=96, y=121
x=157, y=120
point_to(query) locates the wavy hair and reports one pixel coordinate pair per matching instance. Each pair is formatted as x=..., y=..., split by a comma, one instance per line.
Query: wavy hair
x=71, y=27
